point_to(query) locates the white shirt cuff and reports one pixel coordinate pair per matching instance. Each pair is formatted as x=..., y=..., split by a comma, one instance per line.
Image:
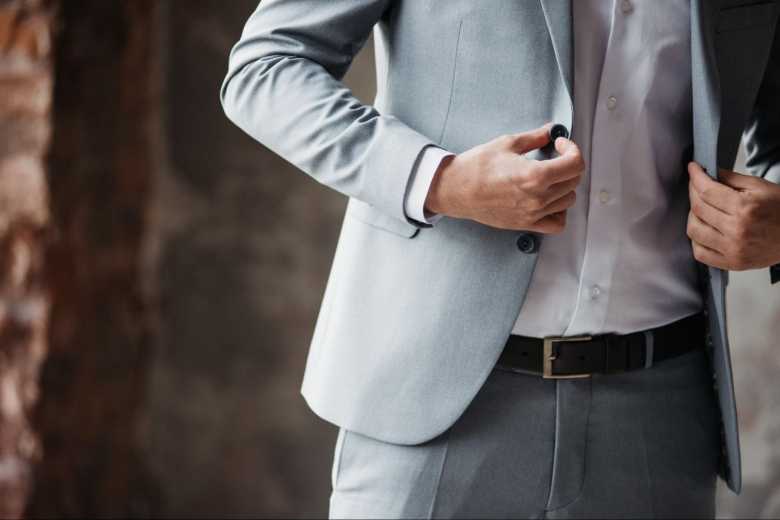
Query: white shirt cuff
x=420, y=183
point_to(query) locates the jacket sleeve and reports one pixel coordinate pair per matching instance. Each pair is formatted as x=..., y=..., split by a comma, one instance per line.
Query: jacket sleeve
x=283, y=87
x=762, y=134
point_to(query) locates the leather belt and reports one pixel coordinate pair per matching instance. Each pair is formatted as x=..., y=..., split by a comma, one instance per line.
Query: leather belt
x=580, y=356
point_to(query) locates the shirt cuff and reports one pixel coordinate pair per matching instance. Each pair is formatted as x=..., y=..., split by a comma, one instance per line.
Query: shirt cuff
x=420, y=183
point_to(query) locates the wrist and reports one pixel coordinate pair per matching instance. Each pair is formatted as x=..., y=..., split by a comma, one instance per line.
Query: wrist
x=434, y=201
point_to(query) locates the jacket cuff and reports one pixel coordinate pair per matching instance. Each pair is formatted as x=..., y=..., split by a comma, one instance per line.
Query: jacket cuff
x=774, y=273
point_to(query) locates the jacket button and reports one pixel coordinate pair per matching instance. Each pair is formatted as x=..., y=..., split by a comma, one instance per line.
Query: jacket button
x=558, y=130
x=527, y=243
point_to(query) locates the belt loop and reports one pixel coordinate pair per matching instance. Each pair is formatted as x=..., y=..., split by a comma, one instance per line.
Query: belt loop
x=648, y=348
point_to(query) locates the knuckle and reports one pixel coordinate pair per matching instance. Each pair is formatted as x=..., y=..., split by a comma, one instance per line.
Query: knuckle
x=750, y=208
x=505, y=140
x=568, y=200
x=741, y=232
x=533, y=181
x=534, y=203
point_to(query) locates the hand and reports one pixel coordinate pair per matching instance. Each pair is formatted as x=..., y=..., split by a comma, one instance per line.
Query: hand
x=733, y=224
x=494, y=184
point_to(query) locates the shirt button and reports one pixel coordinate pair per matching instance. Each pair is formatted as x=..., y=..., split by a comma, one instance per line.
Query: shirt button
x=527, y=243
x=595, y=292
x=604, y=196
x=626, y=6
x=611, y=102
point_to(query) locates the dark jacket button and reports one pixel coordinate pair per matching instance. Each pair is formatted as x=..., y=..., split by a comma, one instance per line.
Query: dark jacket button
x=558, y=130
x=527, y=243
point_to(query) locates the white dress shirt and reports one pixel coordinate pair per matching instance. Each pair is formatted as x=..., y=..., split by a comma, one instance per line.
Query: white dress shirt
x=624, y=262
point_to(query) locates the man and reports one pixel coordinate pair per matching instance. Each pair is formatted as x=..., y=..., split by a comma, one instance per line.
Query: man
x=478, y=270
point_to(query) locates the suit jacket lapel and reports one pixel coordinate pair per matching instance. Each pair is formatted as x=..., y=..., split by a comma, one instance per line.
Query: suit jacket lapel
x=557, y=14
x=705, y=84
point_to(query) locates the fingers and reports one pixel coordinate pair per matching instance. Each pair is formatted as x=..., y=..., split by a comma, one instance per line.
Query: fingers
x=709, y=256
x=564, y=146
x=560, y=204
x=552, y=189
x=710, y=215
x=551, y=224
x=559, y=189
x=705, y=235
x=552, y=218
x=568, y=165
x=713, y=192
x=544, y=189
x=557, y=198
x=526, y=141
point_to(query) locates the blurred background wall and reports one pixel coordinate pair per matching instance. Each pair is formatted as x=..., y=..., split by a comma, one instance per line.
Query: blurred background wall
x=188, y=264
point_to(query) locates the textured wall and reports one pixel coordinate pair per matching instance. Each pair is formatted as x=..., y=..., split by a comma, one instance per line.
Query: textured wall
x=102, y=162
x=244, y=247
x=25, y=102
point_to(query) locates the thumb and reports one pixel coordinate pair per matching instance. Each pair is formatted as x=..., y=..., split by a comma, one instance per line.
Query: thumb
x=565, y=146
x=736, y=180
x=531, y=140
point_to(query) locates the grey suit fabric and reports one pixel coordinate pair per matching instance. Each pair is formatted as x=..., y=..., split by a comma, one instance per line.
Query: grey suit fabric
x=641, y=444
x=413, y=319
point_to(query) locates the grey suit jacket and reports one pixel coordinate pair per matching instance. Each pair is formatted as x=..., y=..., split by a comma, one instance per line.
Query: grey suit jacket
x=413, y=319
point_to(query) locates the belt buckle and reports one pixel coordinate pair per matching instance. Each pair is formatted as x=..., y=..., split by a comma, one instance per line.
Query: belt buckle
x=550, y=355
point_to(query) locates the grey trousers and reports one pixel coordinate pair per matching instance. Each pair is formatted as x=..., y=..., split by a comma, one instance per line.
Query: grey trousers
x=639, y=444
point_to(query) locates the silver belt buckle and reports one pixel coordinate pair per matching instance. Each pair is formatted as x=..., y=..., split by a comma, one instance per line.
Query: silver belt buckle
x=551, y=354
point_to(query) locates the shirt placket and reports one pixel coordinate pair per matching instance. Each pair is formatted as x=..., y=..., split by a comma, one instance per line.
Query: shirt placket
x=604, y=230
